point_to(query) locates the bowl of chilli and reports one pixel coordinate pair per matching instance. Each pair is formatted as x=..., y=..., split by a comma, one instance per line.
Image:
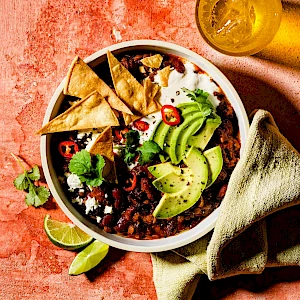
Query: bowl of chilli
x=139, y=142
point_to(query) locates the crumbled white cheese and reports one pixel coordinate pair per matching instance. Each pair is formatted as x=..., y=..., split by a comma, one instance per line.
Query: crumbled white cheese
x=108, y=209
x=92, y=140
x=81, y=134
x=105, y=195
x=90, y=204
x=98, y=219
x=92, y=136
x=131, y=166
x=77, y=200
x=74, y=182
x=81, y=191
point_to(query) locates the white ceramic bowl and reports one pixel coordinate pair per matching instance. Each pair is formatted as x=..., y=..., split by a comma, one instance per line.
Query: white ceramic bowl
x=114, y=240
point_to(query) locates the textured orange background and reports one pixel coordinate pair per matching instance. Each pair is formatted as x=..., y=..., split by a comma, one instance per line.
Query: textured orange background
x=38, y=41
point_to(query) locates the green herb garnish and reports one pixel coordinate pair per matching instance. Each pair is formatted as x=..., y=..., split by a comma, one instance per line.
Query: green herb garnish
x=132, y=143
x=88, y=169
x=148, y=151
x=201, y=97
x=36, y=195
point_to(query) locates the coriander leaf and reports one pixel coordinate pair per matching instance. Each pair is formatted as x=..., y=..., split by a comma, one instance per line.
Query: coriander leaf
x=132, y=142
x=94, y=181
x=81, y=163
x=201, y=98
x=197, y=95
x=148, y=151
x=215, y=118
x=100, y=163
x=37, y=196
x=42, y=195
x=21, y=182
x=34, y=173
x=132, y=138
x=129, y=157
x=30, y=197
x=205, y=106
x=82, y=178
x=206, y=111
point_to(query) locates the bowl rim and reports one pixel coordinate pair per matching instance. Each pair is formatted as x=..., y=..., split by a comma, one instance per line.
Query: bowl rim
x=84, y=224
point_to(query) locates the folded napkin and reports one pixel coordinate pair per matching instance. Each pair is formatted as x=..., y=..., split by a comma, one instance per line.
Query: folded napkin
x=258, y=225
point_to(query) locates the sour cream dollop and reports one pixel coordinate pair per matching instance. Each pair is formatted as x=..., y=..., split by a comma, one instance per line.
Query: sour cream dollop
x=173, y=94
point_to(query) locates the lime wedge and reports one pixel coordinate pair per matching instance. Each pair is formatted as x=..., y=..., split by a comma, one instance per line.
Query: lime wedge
x=88, y=258
x=65, y=235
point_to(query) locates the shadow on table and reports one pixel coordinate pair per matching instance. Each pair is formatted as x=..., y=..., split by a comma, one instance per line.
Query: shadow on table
x=253, y=283
x=112, y=256
x=285, y=47
x=256, y=93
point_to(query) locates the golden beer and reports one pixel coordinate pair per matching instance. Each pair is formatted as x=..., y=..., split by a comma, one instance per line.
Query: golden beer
x=238, y=27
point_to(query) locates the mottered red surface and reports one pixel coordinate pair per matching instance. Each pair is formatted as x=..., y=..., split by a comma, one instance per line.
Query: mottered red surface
x=39, y=39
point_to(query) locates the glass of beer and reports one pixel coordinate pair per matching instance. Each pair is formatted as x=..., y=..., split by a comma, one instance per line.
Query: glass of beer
x=238, y=27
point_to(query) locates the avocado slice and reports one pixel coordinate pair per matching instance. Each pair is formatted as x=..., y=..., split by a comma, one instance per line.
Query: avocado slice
x=162, y=169
x=188, y=107
x=203, y=137
x=170, y=134
x=160, y=133
x=184, y=136
x=215, y=164
x=159, y=136
x=163, y=133
x=172, y=204
x=172, y=182
x=192, y=118
x=168, y=139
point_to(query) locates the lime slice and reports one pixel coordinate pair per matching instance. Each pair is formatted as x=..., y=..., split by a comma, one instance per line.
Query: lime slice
x=65, y=235
x=88, y=258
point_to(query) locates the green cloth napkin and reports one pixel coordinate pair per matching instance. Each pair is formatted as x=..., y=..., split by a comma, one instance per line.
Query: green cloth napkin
x=258, y=225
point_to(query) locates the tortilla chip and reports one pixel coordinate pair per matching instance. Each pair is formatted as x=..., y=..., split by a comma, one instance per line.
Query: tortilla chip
x=151, y=95
x=130, y=91
x=104, y=146
x=150, y=90
x=164, y=75
x=153, y=61
x=82, y=80
x=90, y=112
x=126, y=86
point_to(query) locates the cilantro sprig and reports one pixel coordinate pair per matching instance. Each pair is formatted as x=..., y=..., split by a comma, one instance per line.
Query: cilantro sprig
x=148, y=151
x=201, y=97
x=88, y=169
x=36, y=195
x=132, y=143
